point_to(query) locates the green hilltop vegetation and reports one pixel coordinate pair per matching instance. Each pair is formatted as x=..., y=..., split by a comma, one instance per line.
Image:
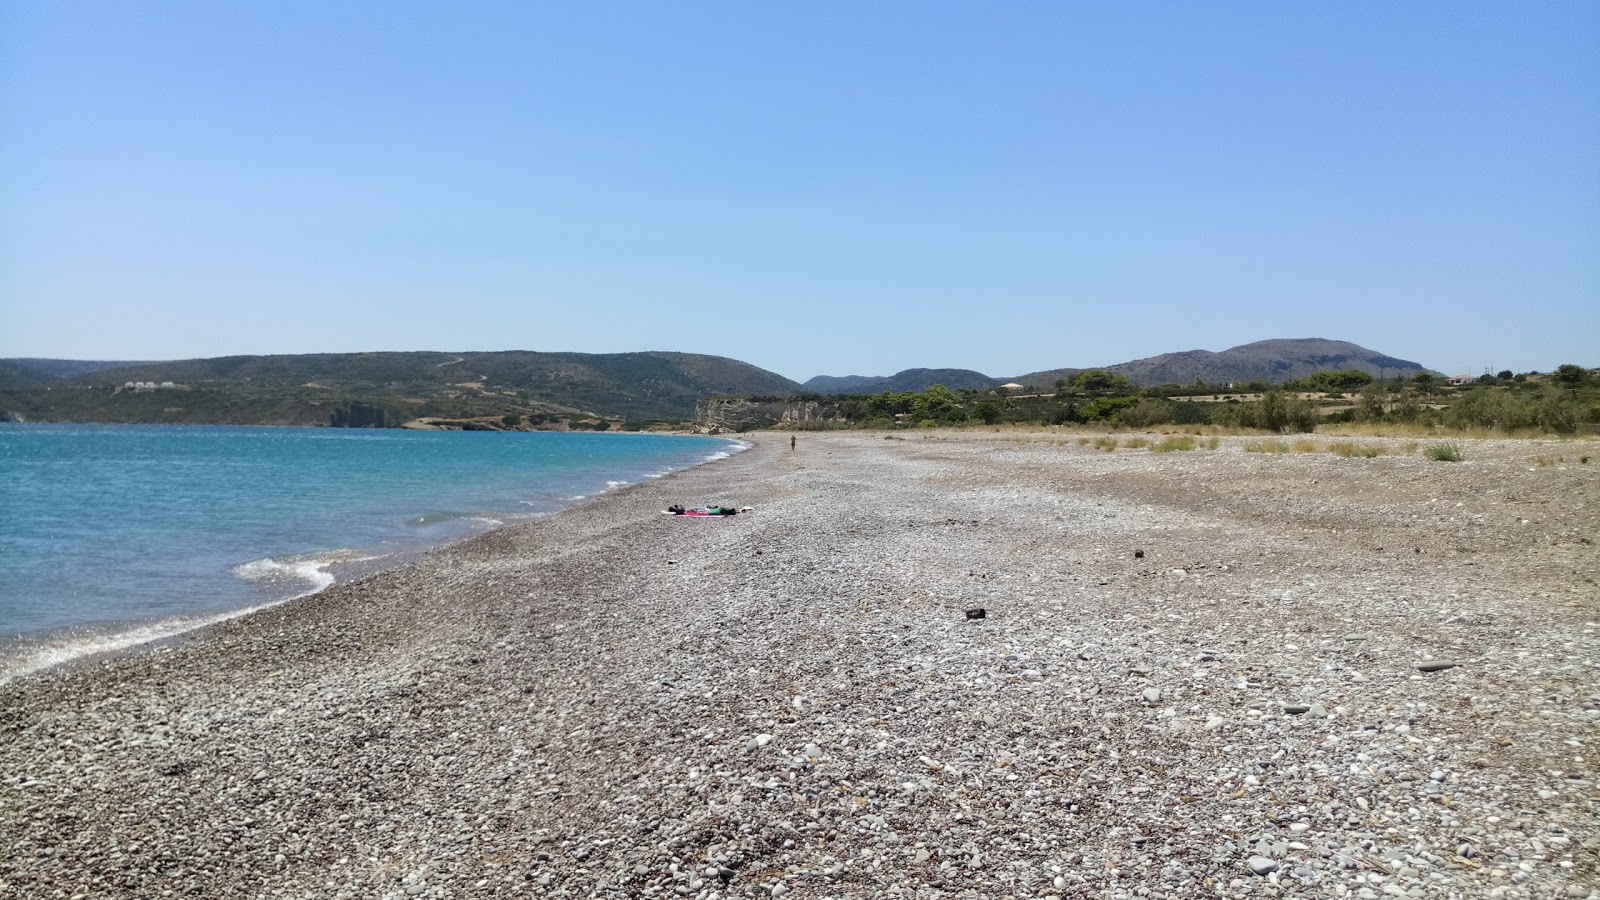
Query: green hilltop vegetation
x=1563, y=402
x=531, y=390
x=1275, y=361
x=522, y=388
x=906, y=380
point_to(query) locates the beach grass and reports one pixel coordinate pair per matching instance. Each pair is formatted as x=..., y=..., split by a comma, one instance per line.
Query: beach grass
x=1266, y=447
x=1348, y=449
x=1173, y=443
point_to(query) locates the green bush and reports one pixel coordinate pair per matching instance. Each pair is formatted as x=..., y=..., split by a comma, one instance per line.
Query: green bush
x=1444, y=453
x=1145, y=413
x=1103, y=408
x=1190, y=413
x=1549, y=410
x=1173, y=443
x=1273, y=412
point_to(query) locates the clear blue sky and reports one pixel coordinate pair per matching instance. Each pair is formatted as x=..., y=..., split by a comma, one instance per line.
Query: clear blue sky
x=815, y=188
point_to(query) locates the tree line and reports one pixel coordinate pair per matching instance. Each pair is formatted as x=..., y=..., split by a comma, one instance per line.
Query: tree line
x=1560, y=402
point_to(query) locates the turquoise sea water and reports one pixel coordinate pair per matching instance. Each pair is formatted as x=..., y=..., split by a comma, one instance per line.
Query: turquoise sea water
x=113, y=535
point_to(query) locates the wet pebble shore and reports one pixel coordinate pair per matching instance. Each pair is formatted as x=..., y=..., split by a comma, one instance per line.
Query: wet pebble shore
x=1202, y=674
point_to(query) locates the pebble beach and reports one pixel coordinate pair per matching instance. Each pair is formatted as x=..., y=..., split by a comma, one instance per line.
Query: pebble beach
x=1212, y=673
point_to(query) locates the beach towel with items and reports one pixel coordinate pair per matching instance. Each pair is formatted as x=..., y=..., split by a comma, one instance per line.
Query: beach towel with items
x=706, y=512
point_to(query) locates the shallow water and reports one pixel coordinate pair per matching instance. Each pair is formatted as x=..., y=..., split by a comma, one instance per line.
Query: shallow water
x=112, y=535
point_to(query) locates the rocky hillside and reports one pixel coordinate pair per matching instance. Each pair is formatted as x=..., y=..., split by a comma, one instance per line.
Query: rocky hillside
x=1272, y=361
x=907, y=380
x=305, y=389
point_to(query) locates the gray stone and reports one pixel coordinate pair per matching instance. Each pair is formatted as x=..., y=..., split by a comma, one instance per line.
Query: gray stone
x=1261, y=865
x=1151, y=695
x=1437, y=665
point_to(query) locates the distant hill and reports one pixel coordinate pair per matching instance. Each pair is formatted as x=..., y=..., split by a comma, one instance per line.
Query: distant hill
x=65, y=368
x=551, y=388
x=15, y=377
x=303, y=389
x=1272, y=361
x=908, y=380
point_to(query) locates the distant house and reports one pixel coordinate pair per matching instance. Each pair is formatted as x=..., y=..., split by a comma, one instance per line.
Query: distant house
x=1011, y=386
x=1462, y=379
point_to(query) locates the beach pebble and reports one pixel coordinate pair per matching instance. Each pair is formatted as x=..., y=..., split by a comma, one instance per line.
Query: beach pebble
x=541, y=711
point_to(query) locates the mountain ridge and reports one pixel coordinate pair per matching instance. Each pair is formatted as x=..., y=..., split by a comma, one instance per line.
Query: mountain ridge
x=546, y=388
x=304, y=388
x=1274, y=360
x=904, y=380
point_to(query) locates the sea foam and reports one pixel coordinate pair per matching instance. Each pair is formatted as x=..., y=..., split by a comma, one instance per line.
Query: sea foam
x=290, y=577
x=156, y=530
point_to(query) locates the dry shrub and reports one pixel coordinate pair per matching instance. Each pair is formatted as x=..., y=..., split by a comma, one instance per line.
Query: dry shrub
x=1173, y=443
x=1347, y=449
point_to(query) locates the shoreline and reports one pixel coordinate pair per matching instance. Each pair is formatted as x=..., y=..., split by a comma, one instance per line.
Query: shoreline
x=29, y=653
x=1198, y=673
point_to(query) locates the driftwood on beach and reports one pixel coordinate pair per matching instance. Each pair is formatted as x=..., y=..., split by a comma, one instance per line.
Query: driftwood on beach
x=1196, y=674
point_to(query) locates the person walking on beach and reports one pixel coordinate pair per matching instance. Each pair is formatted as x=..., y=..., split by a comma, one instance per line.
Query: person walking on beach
x=791, y=443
